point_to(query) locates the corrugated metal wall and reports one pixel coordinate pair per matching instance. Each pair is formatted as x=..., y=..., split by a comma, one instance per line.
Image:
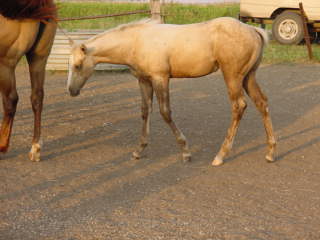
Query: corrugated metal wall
x=59, y=57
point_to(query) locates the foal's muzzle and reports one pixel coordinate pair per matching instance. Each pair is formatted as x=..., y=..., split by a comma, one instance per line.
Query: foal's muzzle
x=73, y=92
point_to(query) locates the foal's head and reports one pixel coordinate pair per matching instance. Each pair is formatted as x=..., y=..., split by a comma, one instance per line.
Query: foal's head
x=81, y=67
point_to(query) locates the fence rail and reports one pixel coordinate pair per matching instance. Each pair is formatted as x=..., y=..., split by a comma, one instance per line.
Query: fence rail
x=59, y=57
x=104, y=16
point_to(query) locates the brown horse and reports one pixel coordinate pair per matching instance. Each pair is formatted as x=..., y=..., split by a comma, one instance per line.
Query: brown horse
x=27, y=28
x=157, y=52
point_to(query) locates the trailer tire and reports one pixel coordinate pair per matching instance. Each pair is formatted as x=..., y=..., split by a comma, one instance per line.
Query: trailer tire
x=287, y=28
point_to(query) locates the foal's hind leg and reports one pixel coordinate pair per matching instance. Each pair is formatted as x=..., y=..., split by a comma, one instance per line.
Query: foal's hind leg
x=255, y=93
x=238, y=103
x=161, y=88
x=146, y=109
x=9, y=101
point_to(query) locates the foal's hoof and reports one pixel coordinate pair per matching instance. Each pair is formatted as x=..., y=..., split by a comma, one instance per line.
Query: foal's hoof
x=186, y=157
x=269, y=158
x=217, y=161
x=135, y=155
x=34, y=153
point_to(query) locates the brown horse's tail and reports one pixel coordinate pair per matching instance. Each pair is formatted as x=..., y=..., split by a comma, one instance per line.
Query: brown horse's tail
x=28, y=9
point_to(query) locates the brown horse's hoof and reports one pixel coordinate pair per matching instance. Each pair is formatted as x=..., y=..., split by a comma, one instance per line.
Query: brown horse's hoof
x=217, y=161
x=34, y=157
x=3, y=149
x=34, y=153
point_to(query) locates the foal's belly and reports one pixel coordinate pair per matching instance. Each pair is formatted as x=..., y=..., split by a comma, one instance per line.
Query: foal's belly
x=192, y=67
x=192, y=56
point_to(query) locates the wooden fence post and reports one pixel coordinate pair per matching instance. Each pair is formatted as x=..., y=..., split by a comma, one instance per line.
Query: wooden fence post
x=306, y=31
x=155, y=6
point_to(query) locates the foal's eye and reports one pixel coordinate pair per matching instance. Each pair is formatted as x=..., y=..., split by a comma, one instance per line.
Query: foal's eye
x=78, y=66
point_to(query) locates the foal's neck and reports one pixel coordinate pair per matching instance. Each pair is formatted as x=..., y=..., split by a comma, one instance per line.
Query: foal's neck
x=110, y=47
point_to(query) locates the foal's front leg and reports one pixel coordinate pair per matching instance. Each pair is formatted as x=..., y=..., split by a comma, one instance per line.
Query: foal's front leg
x=146, y=109
x=161, y=87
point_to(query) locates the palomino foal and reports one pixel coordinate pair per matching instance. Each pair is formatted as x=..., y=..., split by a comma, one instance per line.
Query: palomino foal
x=157, y=52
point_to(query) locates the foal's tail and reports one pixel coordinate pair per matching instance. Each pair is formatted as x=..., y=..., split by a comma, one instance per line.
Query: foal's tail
x=263, y=34
x=257, y=57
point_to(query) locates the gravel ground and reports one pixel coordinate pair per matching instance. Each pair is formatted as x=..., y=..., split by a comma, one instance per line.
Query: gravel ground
x=87, y=188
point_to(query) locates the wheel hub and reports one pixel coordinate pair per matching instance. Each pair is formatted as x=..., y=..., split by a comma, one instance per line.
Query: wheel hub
x=288, y=29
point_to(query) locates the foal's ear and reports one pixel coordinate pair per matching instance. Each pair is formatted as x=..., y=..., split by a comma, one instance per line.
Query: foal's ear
x=71, y=42
x=83, y=48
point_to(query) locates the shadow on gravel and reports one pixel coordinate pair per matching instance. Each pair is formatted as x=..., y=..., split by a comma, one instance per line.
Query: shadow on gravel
x=102, y=183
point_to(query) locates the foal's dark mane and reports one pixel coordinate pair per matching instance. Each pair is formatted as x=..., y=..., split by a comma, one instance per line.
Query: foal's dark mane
x=28, y=9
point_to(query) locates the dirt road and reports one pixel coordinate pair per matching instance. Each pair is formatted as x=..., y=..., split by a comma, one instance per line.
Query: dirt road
x=87, y=188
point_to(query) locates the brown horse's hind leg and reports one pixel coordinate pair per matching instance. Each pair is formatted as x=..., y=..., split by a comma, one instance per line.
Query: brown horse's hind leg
x=161, y=88
x=146, y=109
x=9, y=100
x=37, y=59
x=261, y=102
x=37, y=74
x=238, y=103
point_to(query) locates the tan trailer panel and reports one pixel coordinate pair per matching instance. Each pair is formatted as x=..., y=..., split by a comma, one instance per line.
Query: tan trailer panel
x=265, y=8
